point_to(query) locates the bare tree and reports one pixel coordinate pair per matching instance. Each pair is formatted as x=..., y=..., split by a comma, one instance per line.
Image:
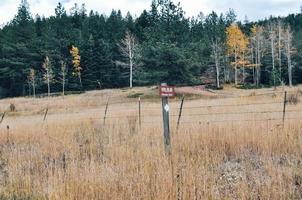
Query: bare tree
x=128, y=47
x=280, y=31
x=272, y=37
x=48, y=74
x=288, y=39
x=32, y=80
x=216, y=55
x=257, y=41
x=259, y=53
x=63, y=75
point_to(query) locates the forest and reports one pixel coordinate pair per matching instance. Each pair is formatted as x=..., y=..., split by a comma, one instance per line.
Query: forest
x=80, y=50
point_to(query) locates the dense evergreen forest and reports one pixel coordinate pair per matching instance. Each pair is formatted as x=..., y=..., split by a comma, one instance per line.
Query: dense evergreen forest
x=80, y=50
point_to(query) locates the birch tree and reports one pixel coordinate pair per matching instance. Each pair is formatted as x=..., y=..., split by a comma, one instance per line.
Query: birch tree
x=259, y=53
x=48, y=75
x=257, y=40
x=128, y=47
x=288, y=39
x=272, y=38
x=63, y=75
x=215, y=29
x=216, y=55
x=32, y=80
x=280, y=33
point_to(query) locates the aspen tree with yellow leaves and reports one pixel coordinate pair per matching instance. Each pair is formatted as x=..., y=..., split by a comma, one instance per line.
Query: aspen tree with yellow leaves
x=237, y=46
x=76, y=61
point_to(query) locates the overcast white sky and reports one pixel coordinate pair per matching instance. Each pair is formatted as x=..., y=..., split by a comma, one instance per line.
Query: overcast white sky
x=253, y=9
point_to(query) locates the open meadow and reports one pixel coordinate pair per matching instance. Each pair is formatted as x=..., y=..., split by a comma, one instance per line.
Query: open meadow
x=230, y=144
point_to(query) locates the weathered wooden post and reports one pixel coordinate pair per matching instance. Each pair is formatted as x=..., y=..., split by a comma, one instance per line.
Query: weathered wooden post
x=7, y=136
x=165, y=92
x=45, y=115
x=106, y=109
x=284, y=107
x=166, y=123
x=180, y=110
x=2, y=117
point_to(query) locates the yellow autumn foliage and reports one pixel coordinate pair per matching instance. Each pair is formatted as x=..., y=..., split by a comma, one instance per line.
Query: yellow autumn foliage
x=237, y=45
x=76, y=60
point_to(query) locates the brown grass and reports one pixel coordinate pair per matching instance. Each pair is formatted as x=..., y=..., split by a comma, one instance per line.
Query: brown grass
x=73, y=156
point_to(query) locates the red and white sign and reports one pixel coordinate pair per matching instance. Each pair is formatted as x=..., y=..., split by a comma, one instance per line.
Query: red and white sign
x=167, y=91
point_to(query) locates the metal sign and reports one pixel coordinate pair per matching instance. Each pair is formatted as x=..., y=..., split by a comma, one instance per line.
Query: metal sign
x=167, y=91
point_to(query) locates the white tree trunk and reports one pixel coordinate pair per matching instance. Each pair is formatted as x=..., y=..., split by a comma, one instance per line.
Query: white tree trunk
x=63, y=85
x=279, y=50
x=34, y=88
x=216, y=56
x=273, y=57
x=288, y=42
x=131, y=63
x=127, y=47
x=48, y=86
x=289, y=63
x=258, y=62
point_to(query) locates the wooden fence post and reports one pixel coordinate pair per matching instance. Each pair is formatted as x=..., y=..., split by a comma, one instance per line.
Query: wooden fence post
x=165, y=111
x=7, y=136
x=139, y=113
x=180, y=111
x=2, y=117
x=284, y=107
x=45, y=114
x=106, y=109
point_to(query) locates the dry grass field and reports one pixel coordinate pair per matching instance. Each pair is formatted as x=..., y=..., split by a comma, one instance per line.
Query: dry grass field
x=230, y=145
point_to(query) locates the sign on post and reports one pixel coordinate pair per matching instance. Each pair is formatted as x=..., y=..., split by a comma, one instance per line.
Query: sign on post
x=166, y=91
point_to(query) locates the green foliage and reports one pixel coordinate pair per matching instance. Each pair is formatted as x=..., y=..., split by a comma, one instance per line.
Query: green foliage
x=172, y=47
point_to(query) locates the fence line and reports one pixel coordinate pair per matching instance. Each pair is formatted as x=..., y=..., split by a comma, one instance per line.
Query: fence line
x=179, y=110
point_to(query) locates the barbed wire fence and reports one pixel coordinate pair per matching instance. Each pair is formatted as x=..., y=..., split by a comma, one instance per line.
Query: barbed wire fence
x=150, y=113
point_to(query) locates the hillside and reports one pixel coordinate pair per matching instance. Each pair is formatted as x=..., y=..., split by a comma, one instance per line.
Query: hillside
x=230, y=144
x=82, y=50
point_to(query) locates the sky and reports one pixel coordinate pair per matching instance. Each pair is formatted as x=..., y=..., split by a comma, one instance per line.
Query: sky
x=252, y=9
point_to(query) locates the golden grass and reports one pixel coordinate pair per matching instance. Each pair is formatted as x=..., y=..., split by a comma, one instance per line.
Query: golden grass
x=72, y=155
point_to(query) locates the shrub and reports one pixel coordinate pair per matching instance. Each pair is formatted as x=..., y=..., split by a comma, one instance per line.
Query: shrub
x=12, y=107
x=293, y=99
x=135, y=95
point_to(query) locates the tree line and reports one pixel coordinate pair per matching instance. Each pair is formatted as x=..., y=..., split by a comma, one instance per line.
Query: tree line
x=78, y=51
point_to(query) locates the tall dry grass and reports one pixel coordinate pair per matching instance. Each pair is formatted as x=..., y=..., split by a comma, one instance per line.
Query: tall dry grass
x=74, y=156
